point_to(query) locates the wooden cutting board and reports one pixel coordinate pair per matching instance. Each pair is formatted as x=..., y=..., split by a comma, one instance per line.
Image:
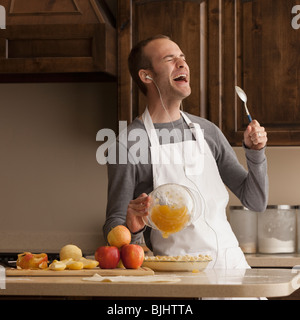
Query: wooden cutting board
x=143, y=271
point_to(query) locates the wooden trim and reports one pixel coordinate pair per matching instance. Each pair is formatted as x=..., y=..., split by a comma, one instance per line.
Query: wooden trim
x=56, y=77
x=124, y=28
x=13, y=13
x=97, y=11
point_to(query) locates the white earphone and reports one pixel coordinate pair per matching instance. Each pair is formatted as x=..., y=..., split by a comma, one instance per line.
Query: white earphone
x=148, y=77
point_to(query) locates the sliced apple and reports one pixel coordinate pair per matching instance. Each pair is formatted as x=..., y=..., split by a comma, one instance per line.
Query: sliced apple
x=74, y=265
x=88, y=263
x=57, y=266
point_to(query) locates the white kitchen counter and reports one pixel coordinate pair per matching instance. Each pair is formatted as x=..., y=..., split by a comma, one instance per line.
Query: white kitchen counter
x=210, y=283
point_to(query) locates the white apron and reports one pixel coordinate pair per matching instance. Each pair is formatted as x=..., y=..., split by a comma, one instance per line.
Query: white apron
x=191, y=163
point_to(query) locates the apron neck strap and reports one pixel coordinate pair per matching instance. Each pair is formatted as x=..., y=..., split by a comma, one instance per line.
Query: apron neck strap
x=154, y=141
x=186, y=118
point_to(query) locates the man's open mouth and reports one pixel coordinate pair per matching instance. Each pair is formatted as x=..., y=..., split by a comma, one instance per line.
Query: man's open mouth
x=181, y=77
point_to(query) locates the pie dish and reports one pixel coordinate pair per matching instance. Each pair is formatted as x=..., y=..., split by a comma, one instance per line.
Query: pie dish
x=185, y=263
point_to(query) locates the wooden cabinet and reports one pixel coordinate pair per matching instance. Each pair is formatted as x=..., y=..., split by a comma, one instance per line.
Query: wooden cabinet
x=250, y=43
x=46, y=37
x=258, y=50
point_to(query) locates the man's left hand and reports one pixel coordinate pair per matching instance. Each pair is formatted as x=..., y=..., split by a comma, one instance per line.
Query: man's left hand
x=255, y=136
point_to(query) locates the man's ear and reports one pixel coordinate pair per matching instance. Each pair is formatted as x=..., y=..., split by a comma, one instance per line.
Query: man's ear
x=145, y=76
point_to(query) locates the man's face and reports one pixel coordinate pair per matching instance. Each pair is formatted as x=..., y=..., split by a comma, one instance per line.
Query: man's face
x=170, y=70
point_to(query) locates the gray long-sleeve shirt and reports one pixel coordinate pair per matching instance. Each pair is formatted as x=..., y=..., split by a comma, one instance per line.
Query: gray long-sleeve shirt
x=127, y=181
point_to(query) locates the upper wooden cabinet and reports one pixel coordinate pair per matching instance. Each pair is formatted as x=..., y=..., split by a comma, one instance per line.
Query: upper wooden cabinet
x=247, y=43
x=44, y=36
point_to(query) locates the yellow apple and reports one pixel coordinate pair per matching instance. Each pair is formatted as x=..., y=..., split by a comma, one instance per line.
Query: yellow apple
x=119, y=236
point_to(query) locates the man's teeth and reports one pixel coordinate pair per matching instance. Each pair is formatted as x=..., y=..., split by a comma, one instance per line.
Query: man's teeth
x=180, y=77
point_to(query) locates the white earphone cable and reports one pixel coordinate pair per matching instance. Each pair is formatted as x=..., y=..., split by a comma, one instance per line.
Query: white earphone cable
x=163, y=105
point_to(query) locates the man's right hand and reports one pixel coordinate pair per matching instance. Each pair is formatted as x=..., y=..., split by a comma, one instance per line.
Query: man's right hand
x=137, y=209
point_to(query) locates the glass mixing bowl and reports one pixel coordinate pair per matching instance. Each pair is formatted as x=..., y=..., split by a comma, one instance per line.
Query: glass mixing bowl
x=172, y=208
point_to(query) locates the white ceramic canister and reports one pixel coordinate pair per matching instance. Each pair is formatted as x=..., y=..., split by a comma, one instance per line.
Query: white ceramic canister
x=244, y=225
x=277, y=229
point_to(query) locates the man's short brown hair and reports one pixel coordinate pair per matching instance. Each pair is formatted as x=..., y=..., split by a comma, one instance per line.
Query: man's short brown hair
x=137, y=60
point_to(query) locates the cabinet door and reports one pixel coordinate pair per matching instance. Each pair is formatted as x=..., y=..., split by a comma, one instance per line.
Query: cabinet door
x=258, y=49
x=185, y=23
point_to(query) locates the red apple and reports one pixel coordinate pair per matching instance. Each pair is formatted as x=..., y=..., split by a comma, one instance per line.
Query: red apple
x=108, y=257
x=132, y=256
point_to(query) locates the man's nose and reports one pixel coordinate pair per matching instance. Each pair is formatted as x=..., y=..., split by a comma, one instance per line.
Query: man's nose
x=180, y=63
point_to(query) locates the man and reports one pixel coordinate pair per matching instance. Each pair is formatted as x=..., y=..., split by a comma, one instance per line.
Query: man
x=159, y=68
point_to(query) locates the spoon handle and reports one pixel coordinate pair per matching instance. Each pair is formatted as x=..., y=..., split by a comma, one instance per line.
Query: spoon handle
x=247, y=112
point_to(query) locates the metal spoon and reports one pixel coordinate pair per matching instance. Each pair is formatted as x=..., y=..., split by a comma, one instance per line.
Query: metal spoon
x=240, y=92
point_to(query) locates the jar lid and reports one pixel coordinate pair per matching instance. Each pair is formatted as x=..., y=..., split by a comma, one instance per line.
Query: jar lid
x=282, y=207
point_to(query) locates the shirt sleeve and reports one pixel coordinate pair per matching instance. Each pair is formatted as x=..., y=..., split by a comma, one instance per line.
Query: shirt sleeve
x=251, y=186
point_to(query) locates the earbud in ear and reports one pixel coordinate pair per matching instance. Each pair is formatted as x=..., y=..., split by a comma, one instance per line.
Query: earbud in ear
x=148, y=77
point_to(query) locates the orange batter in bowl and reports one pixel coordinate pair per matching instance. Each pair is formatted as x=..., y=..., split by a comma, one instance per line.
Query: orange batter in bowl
x=169, y=219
